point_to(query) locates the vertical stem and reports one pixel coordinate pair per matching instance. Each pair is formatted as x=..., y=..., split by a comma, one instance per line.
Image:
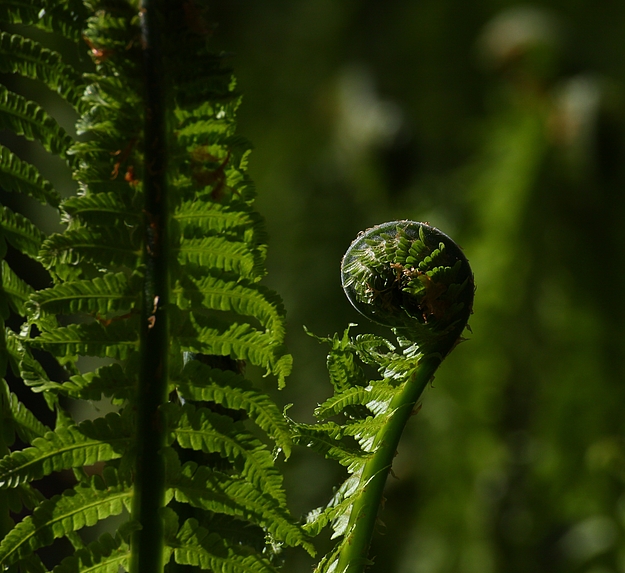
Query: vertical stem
x=353, y=557
x=149, y=488
x=5, y=519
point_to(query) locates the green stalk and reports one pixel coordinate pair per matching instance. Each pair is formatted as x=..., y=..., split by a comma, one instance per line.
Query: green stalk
x=5, y=518
x=353, y=556
x=149, y=487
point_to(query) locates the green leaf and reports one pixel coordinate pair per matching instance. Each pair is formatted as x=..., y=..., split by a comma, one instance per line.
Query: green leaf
x=26, y=118
x=29, y=369
x=66, y=17
x=20, y=232
x=82, y=506
x=111, y=293
x=106, y=555
x=240, y=341
x=197, y=547
x=110, y=381
x=207, y=489
x=16, y=290
x=201, y=429
x=117, y=340
x=375, y=397
x=21, y=177
x=232, y=391
x=343, y=369
x=198, y=218
x=26, y=424
x=30, y=59
x=245, y=299
x=67, y=447
x=108, y=208
x=102, y=247
x=221, y=254
x=326, y=439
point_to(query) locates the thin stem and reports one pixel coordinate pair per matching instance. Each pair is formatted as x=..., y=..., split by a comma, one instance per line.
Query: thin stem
x=149, y=487
x=353, y=557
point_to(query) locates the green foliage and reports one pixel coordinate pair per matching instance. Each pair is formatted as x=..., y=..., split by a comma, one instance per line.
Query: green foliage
x=370, y=415
x=99, y=268
x=412, y=277
x=155, y=275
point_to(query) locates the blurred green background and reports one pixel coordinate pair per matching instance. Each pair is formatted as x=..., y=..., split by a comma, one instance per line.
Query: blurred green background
x=504, y=125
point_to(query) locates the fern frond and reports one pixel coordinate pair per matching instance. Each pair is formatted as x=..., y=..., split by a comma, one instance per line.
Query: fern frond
x=337, y=512
x=20, y=232
x=239, y=340
x=82, y=506
x=67, y=447
x=103, y=208
x=30, y=59
x=374, y=397
x=364, y=410
x=26, y=118
x=327, y=440
x=19, y=176
x=221, y=254
x=16, y=290
x=111, y=381
x=106, y=555
x=103, y=247
x=113, y=120
x=232, y=391
x=117, y=340
x=111, y=293
x=27, y=426
x=217, y=492
x=65, y=17
x=201, y=429
x=343, y=366
x=218, y=293
x=196, y=546
x=197, y=218
x=23, y=361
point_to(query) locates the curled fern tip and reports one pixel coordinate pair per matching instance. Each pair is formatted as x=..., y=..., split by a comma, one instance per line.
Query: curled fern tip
x=413, y=278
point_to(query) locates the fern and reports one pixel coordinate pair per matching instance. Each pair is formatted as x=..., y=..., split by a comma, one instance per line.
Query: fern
x=158, y=272
x=160, y=258
x=413, y=278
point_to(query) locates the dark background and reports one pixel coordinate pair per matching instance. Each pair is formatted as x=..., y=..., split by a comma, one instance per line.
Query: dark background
x=504, y=125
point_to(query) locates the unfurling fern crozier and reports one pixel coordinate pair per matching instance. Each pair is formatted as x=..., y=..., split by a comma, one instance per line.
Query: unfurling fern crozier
x=412, y=277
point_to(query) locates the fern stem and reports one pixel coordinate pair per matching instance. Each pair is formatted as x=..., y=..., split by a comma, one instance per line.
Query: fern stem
x=353, y=556
x=149, y=496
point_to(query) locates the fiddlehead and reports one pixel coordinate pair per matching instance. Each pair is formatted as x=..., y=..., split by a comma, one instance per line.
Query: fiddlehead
x=413, y=278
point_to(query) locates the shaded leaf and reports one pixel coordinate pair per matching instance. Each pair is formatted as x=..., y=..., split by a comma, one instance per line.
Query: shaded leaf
x=201, y=429
x=82, y=506
x=30, y=59
x=232, y=391
x=26, y=118
x=67, y=447
x=19, y=176
x=197, y=547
